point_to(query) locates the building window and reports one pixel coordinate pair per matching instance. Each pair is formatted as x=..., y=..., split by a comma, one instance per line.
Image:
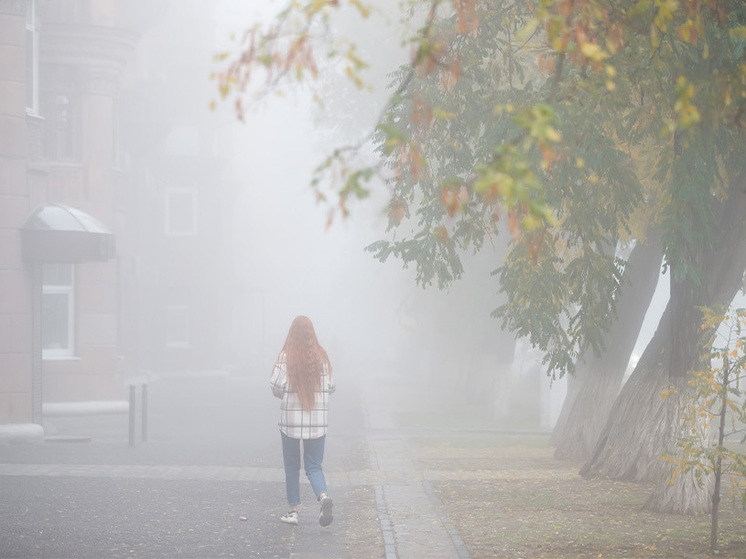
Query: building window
x=181, y=210
x=58, y=311
x=177, y=327
x=60, y=106
x=62, y=145
x=32, y=59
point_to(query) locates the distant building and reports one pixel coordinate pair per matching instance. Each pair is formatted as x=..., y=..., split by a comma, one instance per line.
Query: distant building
x=113, y=244
x=178, y=277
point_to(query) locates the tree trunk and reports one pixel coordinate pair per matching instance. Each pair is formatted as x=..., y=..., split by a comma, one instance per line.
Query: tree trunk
x=586, y=416
x=641, y=423
x=719, y=464
x=599, y=378
x=622, y=452
x=561, y=428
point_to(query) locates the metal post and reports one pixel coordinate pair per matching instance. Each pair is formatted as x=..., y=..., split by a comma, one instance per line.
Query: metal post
x=37, y=363
x=132, y=415
x=144, y=411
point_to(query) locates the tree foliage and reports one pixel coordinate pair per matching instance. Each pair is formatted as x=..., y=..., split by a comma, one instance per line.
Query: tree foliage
x=575, y=123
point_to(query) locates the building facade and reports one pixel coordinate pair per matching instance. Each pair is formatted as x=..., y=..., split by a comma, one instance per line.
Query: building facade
x=112, y=232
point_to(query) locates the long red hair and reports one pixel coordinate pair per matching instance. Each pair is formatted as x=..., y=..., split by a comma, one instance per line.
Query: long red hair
x=305, y=359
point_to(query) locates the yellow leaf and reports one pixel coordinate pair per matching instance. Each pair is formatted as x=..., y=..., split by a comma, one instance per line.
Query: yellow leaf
x=594, y=52
x=530, y=223
x=316, y=5
x=441, y=114
x=655, y=38
x=527, y=30
x=738, y=32
x=553, y=135
x=362, y=8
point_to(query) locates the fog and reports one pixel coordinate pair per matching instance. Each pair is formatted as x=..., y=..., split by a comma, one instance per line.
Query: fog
x=220, y=244
x=248, y=247
x=372, y=317
x=289, y=261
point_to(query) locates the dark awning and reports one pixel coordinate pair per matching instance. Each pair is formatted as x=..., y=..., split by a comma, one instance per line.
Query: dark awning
x=57, y=233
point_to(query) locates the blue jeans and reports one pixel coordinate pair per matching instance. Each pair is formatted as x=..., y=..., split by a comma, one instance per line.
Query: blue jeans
x=313, y=456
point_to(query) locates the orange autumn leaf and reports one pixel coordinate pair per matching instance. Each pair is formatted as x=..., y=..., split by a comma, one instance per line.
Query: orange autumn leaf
x=513, y=225
x=450, y=201
x=548, y=156
x=396, y=211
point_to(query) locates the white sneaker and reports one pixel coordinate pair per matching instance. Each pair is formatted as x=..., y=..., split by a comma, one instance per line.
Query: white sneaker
x=290, y=517
x=325, y=517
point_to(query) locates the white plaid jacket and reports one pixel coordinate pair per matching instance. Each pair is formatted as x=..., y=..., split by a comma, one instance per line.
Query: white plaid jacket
x=294, y=421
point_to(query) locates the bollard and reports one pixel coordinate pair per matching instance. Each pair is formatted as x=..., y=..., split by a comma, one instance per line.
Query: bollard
x=132, y=415
x=144, y=411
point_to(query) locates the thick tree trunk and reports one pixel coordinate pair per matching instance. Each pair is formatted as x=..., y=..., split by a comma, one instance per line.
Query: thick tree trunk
x=686, y=495
x=561, y=428
x=622, y=452
x=588, y=413
x=641, y=423
x=599, y=378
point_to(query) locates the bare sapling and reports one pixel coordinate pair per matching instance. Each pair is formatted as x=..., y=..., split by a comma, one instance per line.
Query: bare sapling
x=714, y=414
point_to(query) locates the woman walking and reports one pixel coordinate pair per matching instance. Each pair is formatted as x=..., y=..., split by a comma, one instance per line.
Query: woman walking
x=302, y=379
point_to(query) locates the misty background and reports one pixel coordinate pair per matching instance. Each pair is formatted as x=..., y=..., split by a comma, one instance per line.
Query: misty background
x=284, y=260
x=371, y=316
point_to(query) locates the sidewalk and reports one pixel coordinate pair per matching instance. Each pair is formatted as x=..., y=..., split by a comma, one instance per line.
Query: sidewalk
x=212, y=459
x=414, y=523
x=208, y=463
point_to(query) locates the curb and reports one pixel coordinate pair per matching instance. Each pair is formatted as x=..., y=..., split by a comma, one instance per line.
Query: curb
x=74, y=409
x=21, y=433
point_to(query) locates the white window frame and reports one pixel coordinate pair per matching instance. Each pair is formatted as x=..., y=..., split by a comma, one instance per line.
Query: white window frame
x=31, y=30
x=171, y=229
x=177, y=312
x=69, y=290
